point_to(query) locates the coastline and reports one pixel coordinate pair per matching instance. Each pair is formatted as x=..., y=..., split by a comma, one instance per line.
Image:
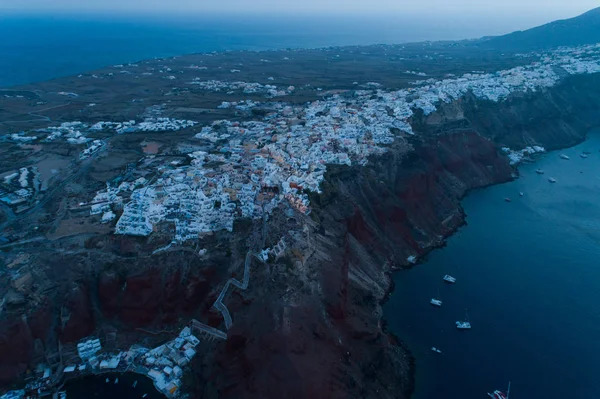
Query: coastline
x=424, y=260
x=436, y=167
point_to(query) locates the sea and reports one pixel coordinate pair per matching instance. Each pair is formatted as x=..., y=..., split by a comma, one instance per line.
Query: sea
x=38, y=47
x=528, y=272
x=528, y=280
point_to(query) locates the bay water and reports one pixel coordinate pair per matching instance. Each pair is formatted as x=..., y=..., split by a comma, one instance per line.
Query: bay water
x=528, y=279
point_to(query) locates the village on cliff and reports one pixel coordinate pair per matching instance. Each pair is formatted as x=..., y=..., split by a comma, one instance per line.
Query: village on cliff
x=252, y=166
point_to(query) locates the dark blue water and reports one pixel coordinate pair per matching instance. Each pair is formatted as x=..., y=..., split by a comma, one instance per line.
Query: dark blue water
x=97, y=387
x=529, y=274
x=40, y=47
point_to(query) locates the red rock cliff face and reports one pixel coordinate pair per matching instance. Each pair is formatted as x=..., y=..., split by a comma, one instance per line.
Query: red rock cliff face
x=18, y=334
x=314, y=331
x=115, y=299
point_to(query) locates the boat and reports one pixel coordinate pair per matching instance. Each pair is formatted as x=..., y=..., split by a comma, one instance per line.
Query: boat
x=521, y=194
x=539, y=171
x=144, y=395
x=507, y=199
x=117, y=380
x=62, y=395
x=552, y=180
x=464, y=325
x=449, y=279
x=134, y=384
x=563, y=156
x=499, y=394
x=107, y=380
x=436, y=302
x=436, y=350
x=583, y=155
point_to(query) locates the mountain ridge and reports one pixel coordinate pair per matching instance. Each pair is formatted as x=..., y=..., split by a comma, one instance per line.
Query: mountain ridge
x=579, y=30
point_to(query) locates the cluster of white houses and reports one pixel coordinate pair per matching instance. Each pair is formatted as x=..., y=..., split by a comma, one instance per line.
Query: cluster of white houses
x=247, y=168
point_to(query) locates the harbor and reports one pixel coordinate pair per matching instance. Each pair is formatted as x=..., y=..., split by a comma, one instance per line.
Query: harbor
x=527, y=273
x=129, y=386
x=162, y=367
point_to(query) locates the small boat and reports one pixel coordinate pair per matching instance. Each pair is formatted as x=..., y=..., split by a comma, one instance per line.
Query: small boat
x=134, y=384
x=62, y=395
x=449, y=279
x=552, y=180
x=539, y=171
x=436, y=302
x=117, y=380
x=107, y=380
x=436, y=350
x=145, y=395
x=563, y=156
x=507, y=199
x=521, y=194
x=583, y=155
x=499, y=394
x=464, y=325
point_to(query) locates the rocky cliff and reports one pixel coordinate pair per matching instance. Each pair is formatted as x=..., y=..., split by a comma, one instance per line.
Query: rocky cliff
x=310, y=325
x=318, y=331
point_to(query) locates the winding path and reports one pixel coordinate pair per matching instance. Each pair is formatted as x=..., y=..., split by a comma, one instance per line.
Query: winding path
x=219, y=305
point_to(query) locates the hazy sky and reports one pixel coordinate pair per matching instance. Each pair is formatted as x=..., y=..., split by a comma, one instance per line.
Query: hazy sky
x=536, y=9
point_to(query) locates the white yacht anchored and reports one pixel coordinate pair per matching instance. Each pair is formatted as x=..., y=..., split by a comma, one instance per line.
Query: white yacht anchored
x=436, y=302
x=436, y=350
x=552, y=180
x=539, y=171
x=464, y=325
x=563, y=156
x=449, y=279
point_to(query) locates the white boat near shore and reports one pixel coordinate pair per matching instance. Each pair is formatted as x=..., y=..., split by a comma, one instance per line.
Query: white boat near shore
x=552, y=180
x=436, y=350
x=565, y=157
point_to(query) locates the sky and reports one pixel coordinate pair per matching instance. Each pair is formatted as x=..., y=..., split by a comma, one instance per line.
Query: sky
x=540, y=9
